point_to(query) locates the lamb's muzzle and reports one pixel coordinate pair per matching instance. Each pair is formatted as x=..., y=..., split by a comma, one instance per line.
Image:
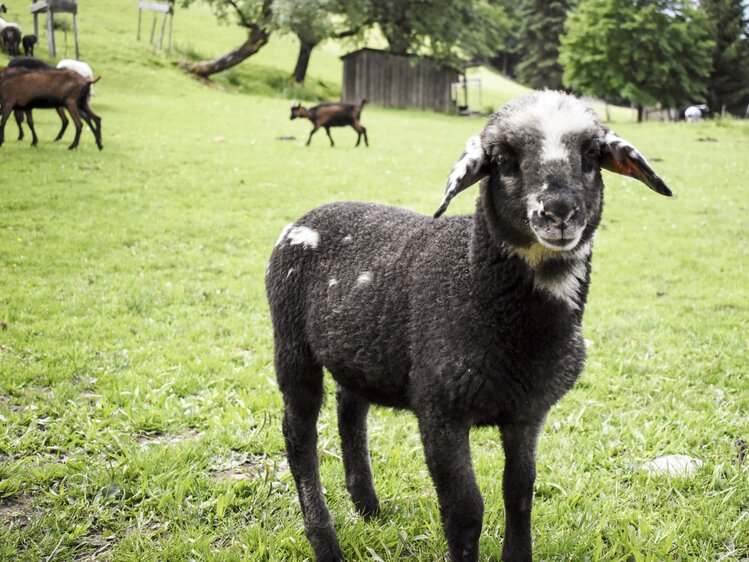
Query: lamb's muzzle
x=465, y=320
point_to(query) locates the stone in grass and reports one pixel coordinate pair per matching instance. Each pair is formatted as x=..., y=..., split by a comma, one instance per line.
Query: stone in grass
x=672, y=465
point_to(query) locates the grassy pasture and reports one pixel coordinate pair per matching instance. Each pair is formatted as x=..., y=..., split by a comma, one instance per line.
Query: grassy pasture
x=139, y=418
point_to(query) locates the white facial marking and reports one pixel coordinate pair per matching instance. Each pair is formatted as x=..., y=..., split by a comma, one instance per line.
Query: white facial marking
x=534, y=205
x=554, y=115
x=303, y=235
x=365, y=277
x=284, y=232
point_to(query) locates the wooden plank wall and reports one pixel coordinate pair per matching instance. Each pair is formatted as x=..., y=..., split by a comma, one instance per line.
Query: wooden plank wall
x=392, y=80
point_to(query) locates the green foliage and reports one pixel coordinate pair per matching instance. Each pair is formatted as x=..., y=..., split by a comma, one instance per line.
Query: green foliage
x=449, y=31
x=728, y=83
x=542, y=24
x=649, y=52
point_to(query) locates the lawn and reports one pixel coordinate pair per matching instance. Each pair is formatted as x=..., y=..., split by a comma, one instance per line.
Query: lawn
x=139, y=416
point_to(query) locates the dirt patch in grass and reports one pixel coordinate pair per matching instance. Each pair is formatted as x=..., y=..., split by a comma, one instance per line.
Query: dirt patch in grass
x=16, y=511
x=151, y=439
x=243, y=466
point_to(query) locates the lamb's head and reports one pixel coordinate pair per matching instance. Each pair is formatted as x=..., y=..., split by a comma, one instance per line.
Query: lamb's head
x=542, y=156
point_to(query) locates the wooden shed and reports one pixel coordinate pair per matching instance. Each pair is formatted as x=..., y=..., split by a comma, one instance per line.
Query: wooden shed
x=393, y=80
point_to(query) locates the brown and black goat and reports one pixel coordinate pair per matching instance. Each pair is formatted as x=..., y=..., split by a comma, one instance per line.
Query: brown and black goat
x=33, y=64
x=52, y=89
x=332, y=114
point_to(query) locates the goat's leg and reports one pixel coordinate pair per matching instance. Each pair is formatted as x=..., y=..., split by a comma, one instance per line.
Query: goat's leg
x=301, y=383
x=327, y=130
x=352, y=425
x=448, y=457
x=64, y=120
x=3, y=121
x=312, y=132
x=30, y=122
x=362, y=131
x=519, y=442
x=94, y=123
x=18, y=114
x=73, y=110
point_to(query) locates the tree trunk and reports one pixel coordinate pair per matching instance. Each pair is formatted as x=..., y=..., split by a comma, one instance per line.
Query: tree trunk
x=255, y=41
x=257, y=38
x=302, y=61
x=640, y=112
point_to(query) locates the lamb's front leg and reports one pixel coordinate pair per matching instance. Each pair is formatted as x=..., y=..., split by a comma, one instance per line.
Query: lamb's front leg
x=448, y=457
x=519, y=442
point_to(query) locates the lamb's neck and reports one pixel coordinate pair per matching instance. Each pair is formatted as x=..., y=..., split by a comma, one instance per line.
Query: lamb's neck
x=561, y=278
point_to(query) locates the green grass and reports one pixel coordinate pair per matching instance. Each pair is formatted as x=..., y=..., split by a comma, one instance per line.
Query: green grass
x=139, y=417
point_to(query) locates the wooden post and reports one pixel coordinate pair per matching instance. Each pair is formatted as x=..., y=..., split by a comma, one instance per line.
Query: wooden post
x=163, y=26
x=50, y=35
x=75, y=34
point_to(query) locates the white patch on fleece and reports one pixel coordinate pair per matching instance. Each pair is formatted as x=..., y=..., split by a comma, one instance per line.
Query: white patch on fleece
x=565, y=288
x=303, y=235
x=289, y=273
x=333, y=281
x=365, y=277
x=554, y=115
x=347, y=239
x=284, y=232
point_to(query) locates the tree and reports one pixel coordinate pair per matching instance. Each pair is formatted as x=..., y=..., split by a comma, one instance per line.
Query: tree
x=542, y=24
x=447, y=30
x=728, y=83
x=312, y=22
x=507, y=55
x=647, y=51
x=254, y=15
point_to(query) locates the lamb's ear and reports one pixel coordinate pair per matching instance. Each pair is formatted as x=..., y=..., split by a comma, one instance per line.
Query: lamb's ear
x=619, y=156
x=472, y=166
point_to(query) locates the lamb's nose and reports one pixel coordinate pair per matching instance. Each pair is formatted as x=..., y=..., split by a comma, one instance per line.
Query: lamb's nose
x=558, y=212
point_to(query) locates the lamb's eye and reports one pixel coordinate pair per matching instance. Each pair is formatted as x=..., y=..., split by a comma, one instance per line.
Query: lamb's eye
x=591, y=153
x=509, y=161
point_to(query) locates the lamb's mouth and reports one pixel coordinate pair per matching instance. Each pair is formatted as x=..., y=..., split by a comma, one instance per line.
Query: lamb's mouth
x=565, y=242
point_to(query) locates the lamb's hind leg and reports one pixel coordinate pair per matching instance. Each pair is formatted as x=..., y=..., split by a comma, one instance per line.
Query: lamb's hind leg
x=301, y=382
x=352, y=425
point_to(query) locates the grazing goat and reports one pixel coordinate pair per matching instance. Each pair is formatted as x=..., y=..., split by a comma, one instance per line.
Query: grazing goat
x=471, y=320
x=32, y=64
x=332, y=114
x=25, y=90
x=28, y=42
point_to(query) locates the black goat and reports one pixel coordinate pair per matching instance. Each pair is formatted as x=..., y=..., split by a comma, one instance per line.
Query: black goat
x=332, y=114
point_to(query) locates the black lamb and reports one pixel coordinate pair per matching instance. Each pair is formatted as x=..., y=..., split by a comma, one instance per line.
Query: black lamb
x=465, y=320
